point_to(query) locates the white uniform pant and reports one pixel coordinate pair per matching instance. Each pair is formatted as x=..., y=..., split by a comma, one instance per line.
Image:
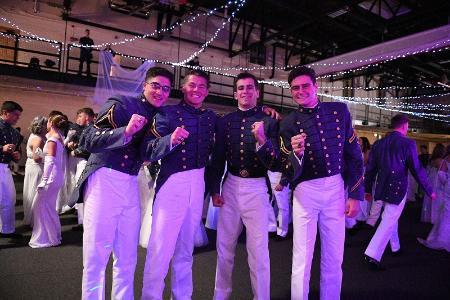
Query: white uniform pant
x=7, y=200
x=245, y=204
x=80, y=206
x=177, y=212
x=318, y=202
x=282, y=199
x=111, y=224
x=386, y=231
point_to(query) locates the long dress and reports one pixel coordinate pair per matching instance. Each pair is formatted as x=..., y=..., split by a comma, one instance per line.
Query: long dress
x=439, y=236
x=46, y=225
x=430, y=208
x=33, y=174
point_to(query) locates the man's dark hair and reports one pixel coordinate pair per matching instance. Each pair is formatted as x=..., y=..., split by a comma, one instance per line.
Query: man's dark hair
x=245, y=75
x=365, y=144
x=87, y=110
x=54, y=113
x=197, y=73
x=398, y=120
x=10, y=106
x=438, y=151
x=158, y=71
x=424, y=147
x=300, y=71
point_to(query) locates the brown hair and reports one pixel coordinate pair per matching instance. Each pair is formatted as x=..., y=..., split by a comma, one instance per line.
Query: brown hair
x=59, y=121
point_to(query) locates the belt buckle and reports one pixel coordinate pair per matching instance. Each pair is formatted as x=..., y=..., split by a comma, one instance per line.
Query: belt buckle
x=244, y=173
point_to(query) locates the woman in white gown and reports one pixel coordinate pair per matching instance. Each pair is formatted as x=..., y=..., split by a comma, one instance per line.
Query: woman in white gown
x=430, y=208
x=46, y=225
x=439, y=236
x=34, y=165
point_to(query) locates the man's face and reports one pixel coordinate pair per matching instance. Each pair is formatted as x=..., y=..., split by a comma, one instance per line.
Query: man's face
x=304, y=91
x=11, y=117
x=195, y=90
x=83, y=119
x=157, y=90
x=246, y=93
x=87, y=32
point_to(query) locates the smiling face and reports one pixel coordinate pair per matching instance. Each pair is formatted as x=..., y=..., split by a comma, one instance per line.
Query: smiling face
x=195, y=90
x=304, y=91
x=246, y=93
x=157, y=90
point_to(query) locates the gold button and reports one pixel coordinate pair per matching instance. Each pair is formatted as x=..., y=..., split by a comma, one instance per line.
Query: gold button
x=393, y=172
x=311, y=158
x=111, y=132
x=317, y=116
x=310, y=152
x=321, y=131
x=242, y=135
x=328, y=164
x=242, y=128
x=122, y=164
x=243, y=120
x=255, y=166
x=335, y=112
x=325, y=147
x=242, y=143
x=315, y=173
x=329, y=171
x=323, y=140
x=301, y=130
x=339, y=167
x=181, y=119
x=97, y=133
x=337, y=128
x=184, y=158
x=242, y=158
x=228, y=135
x=339, y=136
x=182, y=126
x=298, y=123
x=125, y=156
x=242, y=151
x=308, y=144
x=327, y=155
x=183, y=150
x=314, y=166
x=184, y=167
x=319, y=124
x=340, y=144
x=255, y=158
x=183, y=143
x=337, y=120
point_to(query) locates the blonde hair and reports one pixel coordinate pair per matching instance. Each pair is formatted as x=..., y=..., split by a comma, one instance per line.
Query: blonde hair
x=59, y=121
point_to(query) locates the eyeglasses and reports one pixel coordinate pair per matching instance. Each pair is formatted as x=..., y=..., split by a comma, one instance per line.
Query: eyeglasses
x=157, y=86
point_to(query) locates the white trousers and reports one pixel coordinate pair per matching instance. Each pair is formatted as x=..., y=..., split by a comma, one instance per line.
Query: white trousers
x=81, y=165
x=386, y=231
x=177, y=212
x=245, y=204
x=318, y=202
x=111, y=224
x=7, y=200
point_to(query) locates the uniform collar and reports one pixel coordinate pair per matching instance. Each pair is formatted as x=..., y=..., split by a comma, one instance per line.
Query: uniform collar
x=192, y=109
x=249, y=112
x=4, y=124
x=310, y=110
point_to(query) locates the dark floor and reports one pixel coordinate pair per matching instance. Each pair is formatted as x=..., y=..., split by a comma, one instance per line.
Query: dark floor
x=55, y=273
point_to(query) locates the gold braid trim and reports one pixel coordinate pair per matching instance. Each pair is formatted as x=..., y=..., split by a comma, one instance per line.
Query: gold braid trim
x=358, y=183
x=107, y=120
x=283, y=147
x=353, y=137
x=153, y=129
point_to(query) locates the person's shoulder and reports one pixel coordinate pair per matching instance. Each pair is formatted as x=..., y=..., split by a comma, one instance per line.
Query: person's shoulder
x=338, y=106
x=289, y=118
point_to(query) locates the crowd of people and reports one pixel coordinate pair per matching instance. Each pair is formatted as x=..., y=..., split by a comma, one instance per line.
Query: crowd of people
x=138, y=173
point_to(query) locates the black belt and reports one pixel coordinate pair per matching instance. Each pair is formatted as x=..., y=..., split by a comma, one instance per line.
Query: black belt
x=247, y=173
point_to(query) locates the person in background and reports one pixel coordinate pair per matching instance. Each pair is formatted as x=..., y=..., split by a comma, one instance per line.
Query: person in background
x=46, y=225
x=9, y=145
x=389, y=162
x=34, y=165
x=85, y=53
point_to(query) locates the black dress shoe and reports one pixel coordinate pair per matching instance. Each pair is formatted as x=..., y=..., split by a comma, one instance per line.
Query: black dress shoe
x=78, y=227
x=398, y=253
x=373, y=264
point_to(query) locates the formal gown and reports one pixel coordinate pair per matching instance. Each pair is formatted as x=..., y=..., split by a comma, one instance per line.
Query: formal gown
x=33, y=173
x=430, y=208
x=46, y=225
x=439, y=236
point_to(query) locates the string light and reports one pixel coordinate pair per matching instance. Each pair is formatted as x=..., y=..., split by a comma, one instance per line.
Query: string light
x=129, y=40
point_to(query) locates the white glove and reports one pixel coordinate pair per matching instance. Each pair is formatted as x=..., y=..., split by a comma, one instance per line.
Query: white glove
x=39, y=152
x=49, y=164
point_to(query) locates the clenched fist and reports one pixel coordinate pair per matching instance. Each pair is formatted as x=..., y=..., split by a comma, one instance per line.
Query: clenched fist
x=258, y=132
x=178, y=136
x=298, y=144
x=136, y=123
x=8, y=148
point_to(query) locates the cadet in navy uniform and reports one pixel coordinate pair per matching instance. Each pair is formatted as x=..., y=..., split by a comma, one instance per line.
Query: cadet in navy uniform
x=9, y=151
x=389, y=162
x=319, y=141
x=184, y=140
x=111, y=196
x=247, y=141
